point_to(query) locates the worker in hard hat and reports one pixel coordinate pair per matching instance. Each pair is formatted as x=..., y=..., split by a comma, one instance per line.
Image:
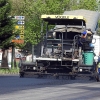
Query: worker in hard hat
x=84, y=34
x=82, y=38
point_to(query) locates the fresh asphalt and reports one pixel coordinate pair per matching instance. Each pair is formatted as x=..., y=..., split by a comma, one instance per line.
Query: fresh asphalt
x=31, y=88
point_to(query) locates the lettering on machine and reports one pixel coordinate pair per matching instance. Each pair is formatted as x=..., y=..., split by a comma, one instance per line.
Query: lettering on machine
x=62, y=17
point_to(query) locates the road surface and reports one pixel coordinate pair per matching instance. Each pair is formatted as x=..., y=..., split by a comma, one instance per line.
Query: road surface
x=14, y=88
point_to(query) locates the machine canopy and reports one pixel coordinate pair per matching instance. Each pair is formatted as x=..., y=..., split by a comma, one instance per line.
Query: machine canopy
x=64, y=20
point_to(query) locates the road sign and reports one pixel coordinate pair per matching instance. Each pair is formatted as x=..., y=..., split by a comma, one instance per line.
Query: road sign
x=18, y=41
x=16, y=27
x=21, y=22
x=21, y=27
x=21, y=36
x=22, y=32
x=18, y=37
x=20, y=17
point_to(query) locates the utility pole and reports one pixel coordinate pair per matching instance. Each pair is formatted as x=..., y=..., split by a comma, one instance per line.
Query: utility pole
x=32, y=52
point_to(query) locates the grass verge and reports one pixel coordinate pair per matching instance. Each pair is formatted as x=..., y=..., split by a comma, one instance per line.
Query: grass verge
x=9, y=71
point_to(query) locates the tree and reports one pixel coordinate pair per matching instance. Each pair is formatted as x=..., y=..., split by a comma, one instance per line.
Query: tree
x=6, y=29
x=33, y=9
x=84, y=4
x=17, y=7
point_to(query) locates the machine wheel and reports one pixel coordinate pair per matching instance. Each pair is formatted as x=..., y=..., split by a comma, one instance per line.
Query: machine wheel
x=21, y=74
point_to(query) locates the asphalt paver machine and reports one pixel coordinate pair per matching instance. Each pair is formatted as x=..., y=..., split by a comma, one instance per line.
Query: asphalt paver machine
x=66, y=48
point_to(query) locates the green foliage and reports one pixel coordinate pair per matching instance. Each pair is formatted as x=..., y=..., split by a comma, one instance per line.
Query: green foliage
x=85, y=4
x=33, y=9
x=9, y=71
x=6, y=24
x=17, y=7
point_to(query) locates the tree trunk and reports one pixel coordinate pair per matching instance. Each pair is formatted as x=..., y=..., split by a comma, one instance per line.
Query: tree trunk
x=4, y=63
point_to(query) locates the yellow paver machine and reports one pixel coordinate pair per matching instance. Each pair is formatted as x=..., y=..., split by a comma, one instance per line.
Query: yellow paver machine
x=66, y=48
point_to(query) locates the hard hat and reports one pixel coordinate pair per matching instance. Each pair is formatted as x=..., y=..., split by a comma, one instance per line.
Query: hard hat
x=84, y=32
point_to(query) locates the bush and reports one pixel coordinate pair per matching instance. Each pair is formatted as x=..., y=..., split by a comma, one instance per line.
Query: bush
x=9, y=71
